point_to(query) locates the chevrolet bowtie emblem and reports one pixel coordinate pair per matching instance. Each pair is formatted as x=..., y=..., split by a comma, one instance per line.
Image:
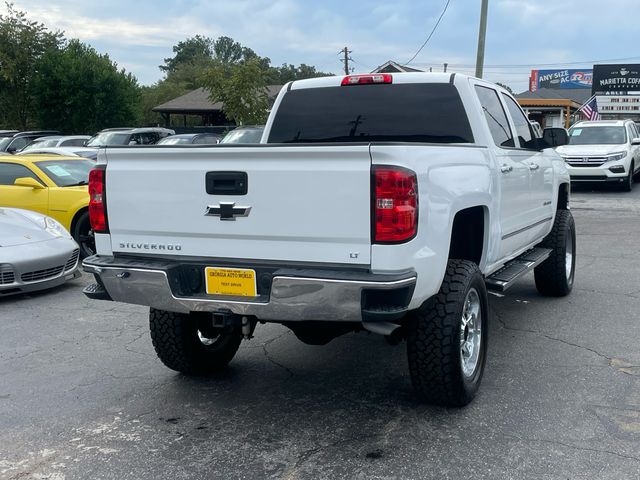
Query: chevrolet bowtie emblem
x=227, y=211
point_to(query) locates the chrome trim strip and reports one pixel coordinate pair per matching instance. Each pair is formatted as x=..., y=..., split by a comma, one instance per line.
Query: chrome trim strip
x=528, y=227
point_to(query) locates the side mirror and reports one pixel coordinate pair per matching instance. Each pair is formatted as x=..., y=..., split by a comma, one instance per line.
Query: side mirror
x=635, y=141
x=555, y=137
x=28, y=182
x=11, y=149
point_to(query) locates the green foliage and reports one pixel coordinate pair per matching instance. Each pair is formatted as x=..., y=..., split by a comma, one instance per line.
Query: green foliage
x=242, y=87
x=22, y=45
x=193, y=50
x=288, y=73
x=78, y=90
x=189, y=76
x=229, y=52
x=154, y=95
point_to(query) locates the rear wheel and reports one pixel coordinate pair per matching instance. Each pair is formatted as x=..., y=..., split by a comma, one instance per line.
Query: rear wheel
x=447, y=338
x=187, y=343
x=83, y=235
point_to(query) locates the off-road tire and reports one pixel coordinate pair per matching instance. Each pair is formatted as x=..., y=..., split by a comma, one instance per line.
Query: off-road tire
x=433, y=339
x=551, y=275
x=177, y=344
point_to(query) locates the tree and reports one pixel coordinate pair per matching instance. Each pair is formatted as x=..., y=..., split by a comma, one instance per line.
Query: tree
x=154, y=95
x=242, y=88
x=228, y=52
x=288, y=73
x=506, y=87
x=78, y=90
x=194, y=50
x=22, y=45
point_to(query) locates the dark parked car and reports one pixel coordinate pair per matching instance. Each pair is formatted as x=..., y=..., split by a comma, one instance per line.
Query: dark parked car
x=248, y=134
x=128, y=136
x=192, y=139
x=17, y=141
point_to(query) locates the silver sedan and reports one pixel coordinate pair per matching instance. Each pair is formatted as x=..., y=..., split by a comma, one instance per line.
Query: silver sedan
x=36, y=252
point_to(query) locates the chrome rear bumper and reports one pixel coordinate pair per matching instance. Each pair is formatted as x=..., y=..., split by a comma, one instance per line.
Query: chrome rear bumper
x=338, y=296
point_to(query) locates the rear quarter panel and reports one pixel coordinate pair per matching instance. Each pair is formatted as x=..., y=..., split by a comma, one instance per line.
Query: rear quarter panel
x=450, y=179
x=64, y=203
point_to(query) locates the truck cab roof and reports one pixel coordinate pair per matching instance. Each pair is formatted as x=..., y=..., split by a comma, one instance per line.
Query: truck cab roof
x=403, y=77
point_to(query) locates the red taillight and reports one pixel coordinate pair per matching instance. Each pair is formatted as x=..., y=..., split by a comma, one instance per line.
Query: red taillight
x=395, y=204
x=367, y=79
x=97, y=205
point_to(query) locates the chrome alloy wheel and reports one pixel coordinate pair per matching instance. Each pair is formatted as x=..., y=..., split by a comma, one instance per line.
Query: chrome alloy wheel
x=470, y=333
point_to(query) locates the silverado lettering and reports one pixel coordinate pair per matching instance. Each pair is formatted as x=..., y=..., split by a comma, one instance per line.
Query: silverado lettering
x=149, y=246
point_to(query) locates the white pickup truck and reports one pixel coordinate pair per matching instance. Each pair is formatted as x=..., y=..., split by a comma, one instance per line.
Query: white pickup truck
x=379, y=202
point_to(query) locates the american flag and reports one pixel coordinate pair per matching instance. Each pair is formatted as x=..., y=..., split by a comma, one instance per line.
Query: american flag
x=590, y=109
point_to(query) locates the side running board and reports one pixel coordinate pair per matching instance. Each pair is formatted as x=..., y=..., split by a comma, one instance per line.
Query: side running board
x=516, y=268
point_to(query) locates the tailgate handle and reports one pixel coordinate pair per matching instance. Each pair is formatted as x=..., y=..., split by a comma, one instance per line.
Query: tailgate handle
x=226, y=183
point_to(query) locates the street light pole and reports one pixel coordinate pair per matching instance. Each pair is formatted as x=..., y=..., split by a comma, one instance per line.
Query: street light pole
x=481, y=37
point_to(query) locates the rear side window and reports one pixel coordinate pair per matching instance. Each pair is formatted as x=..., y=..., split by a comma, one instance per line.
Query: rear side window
x=522, y=124
x=74, y=142
x=496, y=117
x=413, y=112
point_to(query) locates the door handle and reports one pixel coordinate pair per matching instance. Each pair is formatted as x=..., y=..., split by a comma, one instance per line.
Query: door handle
x=534, y=166
x=506, y=168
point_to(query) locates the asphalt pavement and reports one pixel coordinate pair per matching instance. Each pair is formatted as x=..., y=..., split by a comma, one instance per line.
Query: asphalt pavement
x=83, y=396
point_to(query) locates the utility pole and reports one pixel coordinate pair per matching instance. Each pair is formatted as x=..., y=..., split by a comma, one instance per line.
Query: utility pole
x=482, y=34
x=345, y=51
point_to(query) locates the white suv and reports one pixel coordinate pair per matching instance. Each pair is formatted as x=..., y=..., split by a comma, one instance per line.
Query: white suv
x=603, y=151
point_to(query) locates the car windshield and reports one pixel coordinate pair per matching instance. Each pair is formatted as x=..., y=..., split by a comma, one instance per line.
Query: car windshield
x=601, y=135
x=4, y=142
x=175, y=141
x=409, y=112
x=109, y=138
x=67, y=173
x=243, y=135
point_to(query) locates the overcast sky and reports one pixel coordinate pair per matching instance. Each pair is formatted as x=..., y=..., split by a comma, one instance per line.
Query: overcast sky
x=522, y=34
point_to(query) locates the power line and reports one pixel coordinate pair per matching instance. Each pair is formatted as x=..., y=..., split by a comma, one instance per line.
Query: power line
x=432, y=32
x=530, y=65
x=357, y=62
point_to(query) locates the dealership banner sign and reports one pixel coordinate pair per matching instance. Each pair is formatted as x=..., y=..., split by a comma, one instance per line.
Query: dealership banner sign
x=560, y=79
x=616, y=79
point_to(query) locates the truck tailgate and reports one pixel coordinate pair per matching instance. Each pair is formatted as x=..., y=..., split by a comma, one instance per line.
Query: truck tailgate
x=307, y=204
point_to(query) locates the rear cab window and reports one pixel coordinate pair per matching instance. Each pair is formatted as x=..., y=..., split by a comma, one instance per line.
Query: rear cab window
x=409, y=112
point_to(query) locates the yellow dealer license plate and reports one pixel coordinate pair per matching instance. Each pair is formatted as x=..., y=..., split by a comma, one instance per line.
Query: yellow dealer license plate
x=231, y=281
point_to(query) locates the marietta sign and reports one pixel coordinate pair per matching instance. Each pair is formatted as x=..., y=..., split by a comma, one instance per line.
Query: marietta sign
x=616, y=79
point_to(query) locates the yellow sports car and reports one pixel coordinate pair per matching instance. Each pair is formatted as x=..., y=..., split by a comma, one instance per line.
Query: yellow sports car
x=52, y=185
